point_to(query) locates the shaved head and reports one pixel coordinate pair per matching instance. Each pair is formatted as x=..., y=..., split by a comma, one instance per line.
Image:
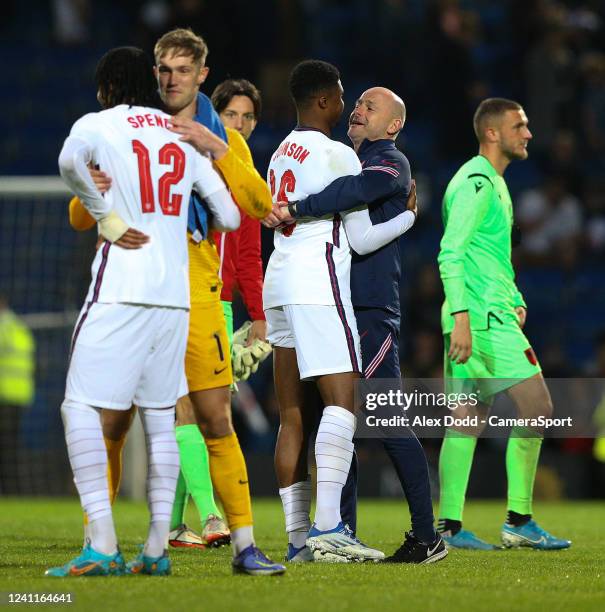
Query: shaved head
x=390, y=99
x=378, y=113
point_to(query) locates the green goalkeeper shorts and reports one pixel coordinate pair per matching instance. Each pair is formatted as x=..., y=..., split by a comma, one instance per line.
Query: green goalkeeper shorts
x=228, y=311
x=502, y=357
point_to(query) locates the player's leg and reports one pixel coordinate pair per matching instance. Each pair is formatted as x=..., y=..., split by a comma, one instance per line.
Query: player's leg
x=212, y=411
x=296, y=423
x=208, y=367
x=194, y=479
x=104, y=370
x=180, y=535
x=334, y=440
x=116, y=424
x=156, y=394
x=210, y=396
x=532, y=400
x=333, y=456
x=327, y=349
x=334, y=445
x=457, y=452
x=88, y=458
x=291, y=452
x=162, y=476
x=230, y=478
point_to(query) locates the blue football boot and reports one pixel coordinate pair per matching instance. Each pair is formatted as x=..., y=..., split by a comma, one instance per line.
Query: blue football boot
x=252, y=561
x=532, y=536
x=467, y=540
x=90, y=563
x=299, y=555
x=151, y=566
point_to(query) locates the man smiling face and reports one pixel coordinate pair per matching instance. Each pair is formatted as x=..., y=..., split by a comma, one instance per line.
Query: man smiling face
x=179, y=78
x=378, y=113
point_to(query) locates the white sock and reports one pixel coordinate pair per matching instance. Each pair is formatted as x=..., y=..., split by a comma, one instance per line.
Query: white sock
x=86, y=534
x=296, y=500
x=162, y=475
x=333, y=453
x=241, y=538
x=88, y=458
x=102, y=535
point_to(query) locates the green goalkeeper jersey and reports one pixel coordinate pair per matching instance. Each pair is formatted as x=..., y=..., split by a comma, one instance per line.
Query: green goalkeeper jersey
x=475, y=253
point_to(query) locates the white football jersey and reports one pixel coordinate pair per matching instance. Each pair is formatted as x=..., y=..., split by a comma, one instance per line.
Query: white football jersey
x=153, y=174
x=311, y=263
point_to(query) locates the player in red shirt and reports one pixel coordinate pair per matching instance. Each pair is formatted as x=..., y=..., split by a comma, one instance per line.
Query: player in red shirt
x=238, y=104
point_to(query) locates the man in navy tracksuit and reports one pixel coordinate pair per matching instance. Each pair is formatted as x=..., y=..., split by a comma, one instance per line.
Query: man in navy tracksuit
x=384, y=185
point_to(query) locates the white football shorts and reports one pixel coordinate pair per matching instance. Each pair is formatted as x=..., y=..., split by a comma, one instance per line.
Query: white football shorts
x=325, y=337
x=124, y=354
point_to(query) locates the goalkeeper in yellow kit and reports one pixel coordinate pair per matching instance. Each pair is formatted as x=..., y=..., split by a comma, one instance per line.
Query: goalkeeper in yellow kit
x=180, y=68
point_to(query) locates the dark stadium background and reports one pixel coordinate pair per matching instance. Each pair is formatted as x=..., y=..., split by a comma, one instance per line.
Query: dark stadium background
x=442, y=58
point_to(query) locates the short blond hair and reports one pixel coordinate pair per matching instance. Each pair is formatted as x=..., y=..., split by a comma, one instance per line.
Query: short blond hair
x=182, y=41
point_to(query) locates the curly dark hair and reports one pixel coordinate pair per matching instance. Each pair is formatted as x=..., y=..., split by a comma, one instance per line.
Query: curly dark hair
x=124, y=75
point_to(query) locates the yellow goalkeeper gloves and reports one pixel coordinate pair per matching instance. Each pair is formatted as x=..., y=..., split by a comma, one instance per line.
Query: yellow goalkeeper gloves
x=241, y=335
x=246, y=359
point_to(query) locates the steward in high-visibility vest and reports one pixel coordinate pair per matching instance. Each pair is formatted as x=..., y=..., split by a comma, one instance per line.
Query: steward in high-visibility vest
x=17, y=360
x=598, y=449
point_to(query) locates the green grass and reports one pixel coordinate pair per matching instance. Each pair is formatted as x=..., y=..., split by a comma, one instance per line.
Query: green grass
x=38, y=533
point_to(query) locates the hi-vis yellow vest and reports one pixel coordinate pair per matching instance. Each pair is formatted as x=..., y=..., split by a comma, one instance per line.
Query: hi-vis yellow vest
x=17, y=361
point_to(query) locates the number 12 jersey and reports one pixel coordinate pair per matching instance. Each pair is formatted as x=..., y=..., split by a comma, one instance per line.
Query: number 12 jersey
x=153, y=174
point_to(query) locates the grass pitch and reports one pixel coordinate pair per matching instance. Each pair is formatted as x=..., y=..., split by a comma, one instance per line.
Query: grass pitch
x=38, y=533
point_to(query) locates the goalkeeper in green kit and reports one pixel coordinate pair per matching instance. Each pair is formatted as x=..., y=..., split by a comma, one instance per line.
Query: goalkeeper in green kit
x=482, y=320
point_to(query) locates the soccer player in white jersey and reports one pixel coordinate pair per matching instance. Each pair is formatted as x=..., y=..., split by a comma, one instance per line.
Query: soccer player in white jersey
x=311, y=324
x=129, y=342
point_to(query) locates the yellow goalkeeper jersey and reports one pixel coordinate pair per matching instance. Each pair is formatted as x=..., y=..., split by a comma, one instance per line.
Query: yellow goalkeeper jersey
x=251, y=194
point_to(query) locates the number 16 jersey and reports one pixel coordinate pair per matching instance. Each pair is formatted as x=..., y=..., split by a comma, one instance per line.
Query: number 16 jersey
x=153, y=174
x=311, y=263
